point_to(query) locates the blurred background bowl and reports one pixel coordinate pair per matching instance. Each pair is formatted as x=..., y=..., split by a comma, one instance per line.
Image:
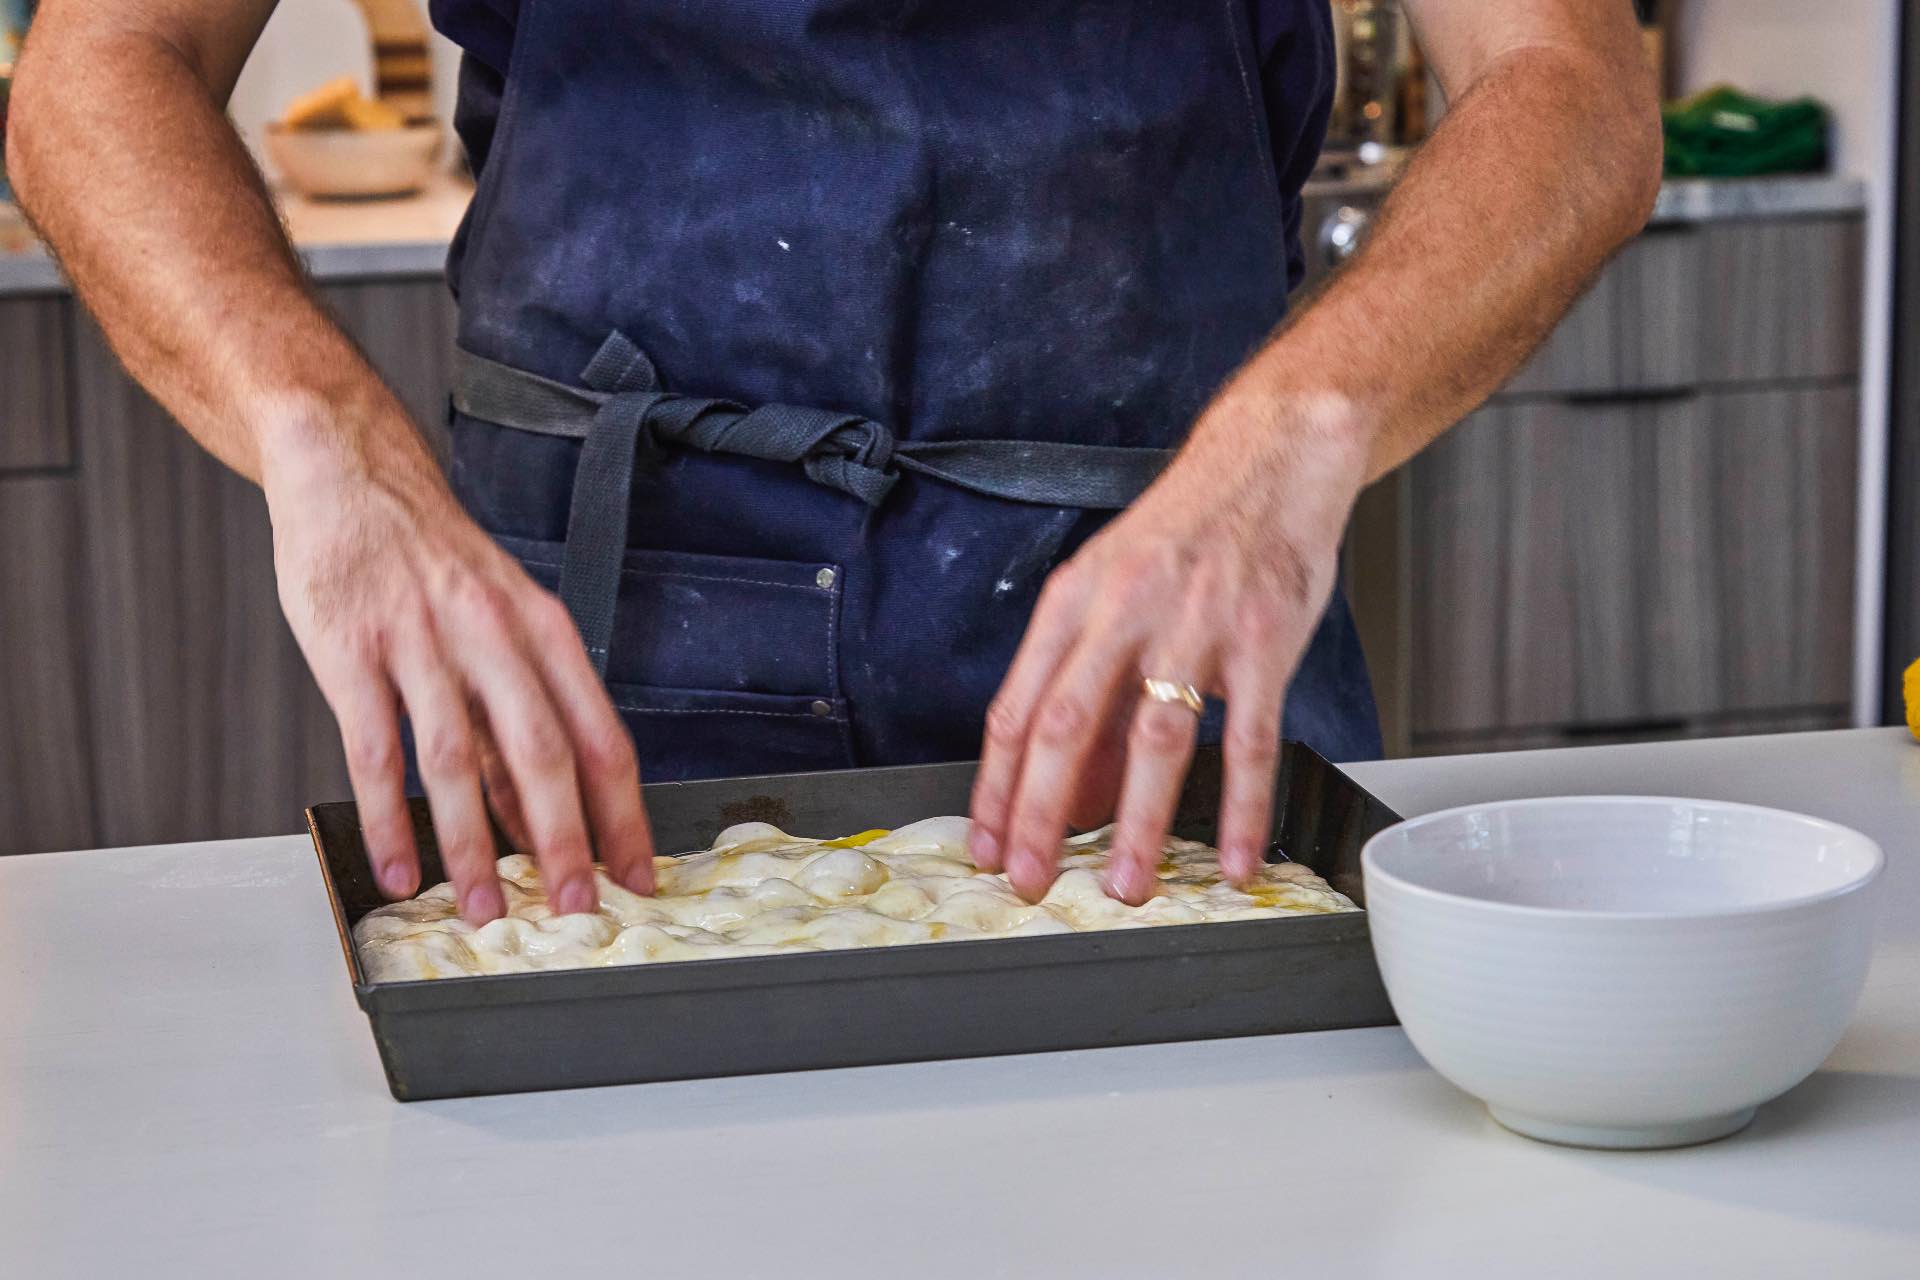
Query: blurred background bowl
x=1622, y=971
x=338, y=164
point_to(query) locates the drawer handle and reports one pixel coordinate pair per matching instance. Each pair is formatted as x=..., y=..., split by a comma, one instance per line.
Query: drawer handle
x=1672, y=726
x=1637, y=395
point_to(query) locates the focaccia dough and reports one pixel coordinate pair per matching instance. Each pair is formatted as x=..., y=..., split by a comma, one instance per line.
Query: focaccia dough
x=758, y=891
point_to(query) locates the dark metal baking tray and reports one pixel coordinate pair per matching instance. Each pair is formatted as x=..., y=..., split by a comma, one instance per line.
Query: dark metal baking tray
x=452, y=1037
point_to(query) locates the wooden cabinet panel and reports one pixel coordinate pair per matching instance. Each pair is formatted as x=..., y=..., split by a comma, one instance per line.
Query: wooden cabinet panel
x=1762, y=300
x=205, y=721
x=1782, y=299
x=1781, y=568
x=34, y=433
x=1636, y=327
x=1374, y=564
x=1463, y=488
x=1596, y=564
x=407, y=330
x=45, y=782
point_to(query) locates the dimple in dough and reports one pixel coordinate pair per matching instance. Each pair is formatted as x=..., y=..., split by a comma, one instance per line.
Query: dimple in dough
x=760, y=891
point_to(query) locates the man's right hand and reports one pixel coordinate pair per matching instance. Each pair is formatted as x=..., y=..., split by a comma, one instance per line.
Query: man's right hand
x=403, y=605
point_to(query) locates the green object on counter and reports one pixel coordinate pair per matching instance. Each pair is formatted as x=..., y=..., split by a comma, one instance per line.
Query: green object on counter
x=1723, y=133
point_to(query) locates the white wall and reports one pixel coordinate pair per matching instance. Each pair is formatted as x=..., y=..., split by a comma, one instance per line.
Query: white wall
x=1836, y=50
x=308, y=42
x=1844, y=52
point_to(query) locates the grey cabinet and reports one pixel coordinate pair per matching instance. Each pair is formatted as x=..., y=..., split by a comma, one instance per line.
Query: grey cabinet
x=149, y=687
x=407, y=330
x=46, y=776
x=204, y=718
x=1780, y=300
x=1651, y=531
x=33, y=383
x=1705, y=304
x=1633, y=328
x=1634, y=563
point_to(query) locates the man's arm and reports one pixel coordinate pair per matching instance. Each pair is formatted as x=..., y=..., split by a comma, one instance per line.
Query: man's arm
x=118, y=149
x=1547, y=161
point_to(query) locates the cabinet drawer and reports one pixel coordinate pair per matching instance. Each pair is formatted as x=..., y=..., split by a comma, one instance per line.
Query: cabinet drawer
x=1634, y=328
x=202, y=712
x=1782, y=299
x=1583, y=564
x=45, y=780
x=1686, y=304
x=35, y=433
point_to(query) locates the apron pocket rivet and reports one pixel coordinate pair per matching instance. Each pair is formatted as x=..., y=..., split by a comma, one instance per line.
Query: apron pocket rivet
x=821, y=707
x=824, y=579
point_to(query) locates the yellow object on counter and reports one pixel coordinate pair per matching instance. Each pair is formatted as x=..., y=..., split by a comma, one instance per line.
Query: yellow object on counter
x=1911, y=687
x=339, y=104
x=368, y=114
x=321, y=108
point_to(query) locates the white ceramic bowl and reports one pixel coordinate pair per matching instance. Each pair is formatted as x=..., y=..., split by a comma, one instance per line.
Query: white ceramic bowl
x=1622, y=971
x=347, y=163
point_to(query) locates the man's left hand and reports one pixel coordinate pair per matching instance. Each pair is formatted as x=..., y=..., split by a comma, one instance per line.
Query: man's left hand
x=1215, y=578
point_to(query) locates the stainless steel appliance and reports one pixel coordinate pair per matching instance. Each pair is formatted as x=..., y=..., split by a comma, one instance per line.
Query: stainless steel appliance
x=1381, y=93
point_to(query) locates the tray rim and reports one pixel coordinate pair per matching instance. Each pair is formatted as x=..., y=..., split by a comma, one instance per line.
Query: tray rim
x=808, y=968
x=722, y=973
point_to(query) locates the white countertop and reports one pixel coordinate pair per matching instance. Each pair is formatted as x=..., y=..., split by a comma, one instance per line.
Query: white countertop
x=187, y=1089
x=1769, y=196
x=349, y=239
x=1774, y=195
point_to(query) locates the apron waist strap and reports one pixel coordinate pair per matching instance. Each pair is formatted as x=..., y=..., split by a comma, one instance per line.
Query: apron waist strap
x=844, y=451
x=622, y=403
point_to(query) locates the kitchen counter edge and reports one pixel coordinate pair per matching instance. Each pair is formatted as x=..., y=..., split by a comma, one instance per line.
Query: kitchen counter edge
x=414, y=252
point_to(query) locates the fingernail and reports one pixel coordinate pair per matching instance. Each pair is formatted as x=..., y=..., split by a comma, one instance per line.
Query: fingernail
x=394, y=878
x=983, y=849
x=1241, y=862
x=1124, y=882
x=575, y=896
x=1028, y=874
x=483, y=902
x=638, y=880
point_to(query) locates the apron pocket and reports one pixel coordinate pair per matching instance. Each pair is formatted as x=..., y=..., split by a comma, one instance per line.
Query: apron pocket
x=720, y=665
x=715, y=625
x=683, y=734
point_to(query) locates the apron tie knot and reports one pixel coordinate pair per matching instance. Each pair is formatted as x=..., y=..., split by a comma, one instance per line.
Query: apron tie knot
x=843, y=451
x=854, y=455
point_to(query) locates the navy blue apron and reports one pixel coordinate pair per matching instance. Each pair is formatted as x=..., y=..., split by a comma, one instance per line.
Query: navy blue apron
x=879, y=227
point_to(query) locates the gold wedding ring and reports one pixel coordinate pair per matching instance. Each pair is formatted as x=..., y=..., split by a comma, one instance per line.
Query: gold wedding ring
x=1174, y=691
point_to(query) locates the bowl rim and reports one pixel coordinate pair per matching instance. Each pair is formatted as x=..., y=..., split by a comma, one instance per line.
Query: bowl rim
x=281, y=129
x=1372, y=871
